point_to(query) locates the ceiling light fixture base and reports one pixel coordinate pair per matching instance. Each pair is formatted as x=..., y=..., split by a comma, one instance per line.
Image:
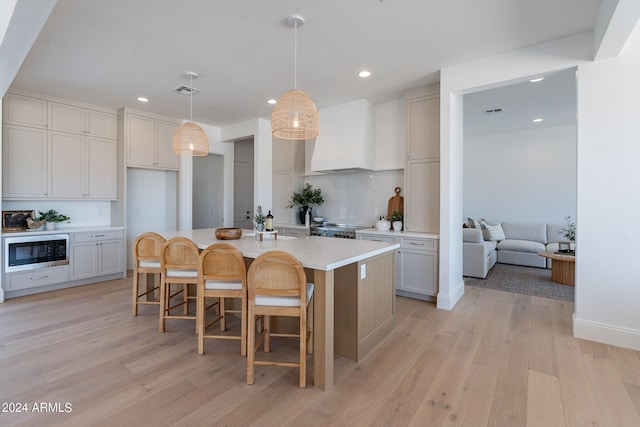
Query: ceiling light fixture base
x=295, y=20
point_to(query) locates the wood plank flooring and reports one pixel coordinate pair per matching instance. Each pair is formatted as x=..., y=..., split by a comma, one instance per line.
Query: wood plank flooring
x=497, y=359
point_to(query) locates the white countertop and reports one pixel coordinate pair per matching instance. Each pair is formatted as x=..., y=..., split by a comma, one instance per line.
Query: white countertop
x=318, y=253
x=392, y=233
x=60, y=229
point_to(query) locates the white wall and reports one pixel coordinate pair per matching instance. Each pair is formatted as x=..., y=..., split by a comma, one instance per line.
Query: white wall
x=608, y=267
x=389, y=139
x=607, y=294
x=524, y=176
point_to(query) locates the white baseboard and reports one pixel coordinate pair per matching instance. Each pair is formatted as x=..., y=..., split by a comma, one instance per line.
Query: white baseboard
x=606, y=334
x=448, y=301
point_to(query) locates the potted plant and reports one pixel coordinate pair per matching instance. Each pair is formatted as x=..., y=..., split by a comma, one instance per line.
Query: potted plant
x=259, y=219
x=307, y=199
x=569, y=233
x=396, y=220
x=51, y=218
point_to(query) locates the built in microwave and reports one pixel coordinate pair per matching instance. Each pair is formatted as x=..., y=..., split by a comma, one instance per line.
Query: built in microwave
x=33, y=252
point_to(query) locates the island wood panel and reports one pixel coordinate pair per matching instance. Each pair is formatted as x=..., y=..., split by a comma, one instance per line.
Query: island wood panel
x=363, y=307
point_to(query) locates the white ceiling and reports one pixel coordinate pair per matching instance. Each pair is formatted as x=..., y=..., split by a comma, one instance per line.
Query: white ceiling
x=108, y=52
x=552, y=99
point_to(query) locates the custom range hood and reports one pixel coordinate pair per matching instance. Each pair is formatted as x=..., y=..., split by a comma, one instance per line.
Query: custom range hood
x=346, y=138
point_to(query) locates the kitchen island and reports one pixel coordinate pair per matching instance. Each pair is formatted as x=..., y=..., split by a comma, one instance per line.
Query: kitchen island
x=354, y=288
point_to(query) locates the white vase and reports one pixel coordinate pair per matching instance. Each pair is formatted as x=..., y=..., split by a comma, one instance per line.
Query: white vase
x=51, y=225
x=397, y=225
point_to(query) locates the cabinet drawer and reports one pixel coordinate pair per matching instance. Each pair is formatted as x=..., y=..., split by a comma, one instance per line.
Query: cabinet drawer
x=94, y=236
x=419, y=244
x=34, y=278
x=378, y=238
x=296, y=232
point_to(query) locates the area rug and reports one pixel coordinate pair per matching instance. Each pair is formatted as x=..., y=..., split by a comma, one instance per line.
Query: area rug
x=523, y=280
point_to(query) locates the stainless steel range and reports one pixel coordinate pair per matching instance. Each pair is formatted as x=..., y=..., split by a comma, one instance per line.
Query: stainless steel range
x=342, y=231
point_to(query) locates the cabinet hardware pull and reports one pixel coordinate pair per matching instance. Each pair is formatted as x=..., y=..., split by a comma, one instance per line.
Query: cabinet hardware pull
x=39, y=277
x=417, y=244
x=97, y=235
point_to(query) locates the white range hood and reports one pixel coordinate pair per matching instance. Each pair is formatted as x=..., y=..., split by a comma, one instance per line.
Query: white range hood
x=346, y=139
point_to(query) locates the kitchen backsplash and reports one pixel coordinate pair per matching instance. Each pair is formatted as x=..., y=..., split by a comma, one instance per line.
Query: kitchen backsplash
x=356, y=197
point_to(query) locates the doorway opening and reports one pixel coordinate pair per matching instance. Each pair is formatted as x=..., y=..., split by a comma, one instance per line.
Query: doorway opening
x=520, y=164
x=243, y=183
x=208, y=191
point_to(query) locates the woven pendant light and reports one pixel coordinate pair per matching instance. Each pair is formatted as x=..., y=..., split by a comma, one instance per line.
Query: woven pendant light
x=295, y=116
x=190, y=139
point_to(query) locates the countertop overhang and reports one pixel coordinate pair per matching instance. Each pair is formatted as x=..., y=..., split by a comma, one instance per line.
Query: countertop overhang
x=318, y=253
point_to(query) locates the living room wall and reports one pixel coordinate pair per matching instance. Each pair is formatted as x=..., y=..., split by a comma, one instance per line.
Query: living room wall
x=524, y=176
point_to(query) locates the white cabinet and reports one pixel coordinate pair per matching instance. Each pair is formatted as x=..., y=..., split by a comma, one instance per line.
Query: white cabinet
x=35, y=278
x=418, y=267
x=422, y=170
x=293, y=231
x=416, y=263
x=79, y=120
x=78, y=159
x=24, y=161
x=288, y=168
x=24, y=111
x=95, y=254
x=148, y=141
x=82, y=167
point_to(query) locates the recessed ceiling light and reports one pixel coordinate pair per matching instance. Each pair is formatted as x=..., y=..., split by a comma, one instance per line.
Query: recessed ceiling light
x=536, y=80
x=272, y=101
x=538, y=120
x=364, y=73
x=142, y=99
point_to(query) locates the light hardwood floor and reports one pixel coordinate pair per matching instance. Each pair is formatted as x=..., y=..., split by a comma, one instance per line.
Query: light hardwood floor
x=497, y=359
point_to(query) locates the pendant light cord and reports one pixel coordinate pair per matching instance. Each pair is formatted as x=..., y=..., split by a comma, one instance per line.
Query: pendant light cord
x=191, y=99
x=295, y=56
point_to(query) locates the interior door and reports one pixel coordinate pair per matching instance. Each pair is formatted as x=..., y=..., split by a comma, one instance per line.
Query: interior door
x=243, y=196
x=208, y=191
x=243, y=184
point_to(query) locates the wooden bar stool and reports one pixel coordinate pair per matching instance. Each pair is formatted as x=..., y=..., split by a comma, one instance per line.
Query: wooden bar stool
x=146, y=258
x=278, y=287
x=221, y=274
x=179, y=264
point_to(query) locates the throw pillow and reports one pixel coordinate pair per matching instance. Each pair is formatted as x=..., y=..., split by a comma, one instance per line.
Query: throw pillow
x=494, y=231
x=473, y=223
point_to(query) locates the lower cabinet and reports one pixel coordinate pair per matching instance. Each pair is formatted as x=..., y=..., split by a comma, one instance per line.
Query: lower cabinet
x=34, y=278
x=293, y=231
x=96, y=254
x=416, y=272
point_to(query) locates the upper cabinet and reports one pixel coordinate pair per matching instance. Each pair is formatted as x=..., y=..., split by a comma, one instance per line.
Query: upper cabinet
x=422, y=169
x=56, y=143
x=24, y=111
x=422, y=112
x=148, y=140
x=69, y=118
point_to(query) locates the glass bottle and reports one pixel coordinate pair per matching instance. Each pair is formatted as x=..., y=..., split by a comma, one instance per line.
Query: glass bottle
x=268, y=223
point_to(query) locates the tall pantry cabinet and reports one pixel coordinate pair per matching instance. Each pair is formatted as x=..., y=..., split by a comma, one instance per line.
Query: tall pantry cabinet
x=422, y=168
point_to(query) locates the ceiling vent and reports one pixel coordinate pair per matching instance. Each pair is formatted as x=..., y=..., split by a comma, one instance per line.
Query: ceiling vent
x=493, y=111
x=187, y=90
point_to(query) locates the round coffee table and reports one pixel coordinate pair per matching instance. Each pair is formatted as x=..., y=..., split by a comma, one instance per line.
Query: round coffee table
x=563, y=267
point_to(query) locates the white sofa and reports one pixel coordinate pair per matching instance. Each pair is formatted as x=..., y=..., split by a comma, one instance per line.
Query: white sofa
x=520, y=246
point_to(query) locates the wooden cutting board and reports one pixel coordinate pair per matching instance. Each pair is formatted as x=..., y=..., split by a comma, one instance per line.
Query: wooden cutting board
x=396, y=203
